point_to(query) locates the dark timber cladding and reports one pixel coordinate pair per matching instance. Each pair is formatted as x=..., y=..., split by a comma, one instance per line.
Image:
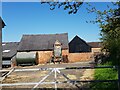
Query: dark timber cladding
x=2, y=24
x=42, y=42
x=77, y=45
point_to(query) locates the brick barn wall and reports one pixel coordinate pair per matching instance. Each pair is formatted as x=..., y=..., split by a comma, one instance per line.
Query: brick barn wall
x=44, y=56
x=78, y=57
x=96, y=50
x=65, y=52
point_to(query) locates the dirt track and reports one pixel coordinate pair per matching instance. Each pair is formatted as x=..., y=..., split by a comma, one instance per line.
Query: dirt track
x=36, y=76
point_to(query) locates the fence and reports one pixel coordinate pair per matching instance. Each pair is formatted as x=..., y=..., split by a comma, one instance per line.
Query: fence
x=57, y=70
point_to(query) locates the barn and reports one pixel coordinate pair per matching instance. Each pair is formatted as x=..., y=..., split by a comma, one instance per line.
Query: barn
x=2, y=24
x=95, y=47
x=78, y=45
x=38, y=49
x=9, y=50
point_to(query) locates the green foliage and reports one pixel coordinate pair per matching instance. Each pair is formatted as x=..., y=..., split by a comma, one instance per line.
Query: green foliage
x=105, y=74
x=111, y=37
x=109, y=22
x=72, y=6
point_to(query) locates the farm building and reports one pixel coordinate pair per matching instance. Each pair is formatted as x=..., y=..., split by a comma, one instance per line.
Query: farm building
x=38, y=49
x=79, y=50
x=9, y=52
x=95, y=47
x=2, y=24
x=78, y=45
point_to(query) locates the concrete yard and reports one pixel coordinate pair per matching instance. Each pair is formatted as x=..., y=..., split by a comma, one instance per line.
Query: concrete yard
x=36, y=76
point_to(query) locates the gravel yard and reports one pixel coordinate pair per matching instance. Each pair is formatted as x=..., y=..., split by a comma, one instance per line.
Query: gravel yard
x=36, y=76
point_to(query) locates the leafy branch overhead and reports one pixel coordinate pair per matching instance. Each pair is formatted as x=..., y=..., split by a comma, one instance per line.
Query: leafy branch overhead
x=72, y=7
x=109, y=22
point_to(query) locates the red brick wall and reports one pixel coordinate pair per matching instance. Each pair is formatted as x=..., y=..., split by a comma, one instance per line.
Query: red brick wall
x=45, y=56
x=96, y=50
x=65, y=52
x=77, y=57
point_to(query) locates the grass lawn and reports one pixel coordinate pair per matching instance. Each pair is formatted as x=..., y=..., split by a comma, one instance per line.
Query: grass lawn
x=105, y=74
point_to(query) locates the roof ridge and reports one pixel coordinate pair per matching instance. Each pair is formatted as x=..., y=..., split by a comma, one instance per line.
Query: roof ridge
x=44, y=34
x=42, y=41
x=10, y=42
x=94, y=42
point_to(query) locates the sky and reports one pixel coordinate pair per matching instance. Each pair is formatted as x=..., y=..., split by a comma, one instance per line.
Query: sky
x=36, y=18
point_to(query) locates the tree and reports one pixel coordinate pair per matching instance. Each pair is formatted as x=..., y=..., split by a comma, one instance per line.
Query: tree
x=72, y=7
x=110, y=33
x=109, y=22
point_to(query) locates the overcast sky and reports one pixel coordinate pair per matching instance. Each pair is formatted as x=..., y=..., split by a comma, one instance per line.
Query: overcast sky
x=35, y=18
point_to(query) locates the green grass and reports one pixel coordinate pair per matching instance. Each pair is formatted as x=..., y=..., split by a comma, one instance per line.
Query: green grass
x=105, y=74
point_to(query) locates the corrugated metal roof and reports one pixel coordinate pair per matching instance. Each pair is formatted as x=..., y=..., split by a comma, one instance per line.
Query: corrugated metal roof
x=42, y=42
x=9, y=49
